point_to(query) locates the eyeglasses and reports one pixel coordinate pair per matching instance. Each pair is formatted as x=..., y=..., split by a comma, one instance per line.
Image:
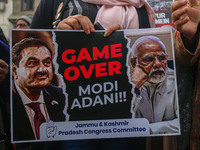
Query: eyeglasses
x=22, y=25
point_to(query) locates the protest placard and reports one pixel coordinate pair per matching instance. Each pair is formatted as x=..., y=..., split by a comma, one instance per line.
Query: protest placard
x=85, y=84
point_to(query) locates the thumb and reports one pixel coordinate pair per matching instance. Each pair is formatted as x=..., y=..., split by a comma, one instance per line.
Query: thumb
x=193, y=3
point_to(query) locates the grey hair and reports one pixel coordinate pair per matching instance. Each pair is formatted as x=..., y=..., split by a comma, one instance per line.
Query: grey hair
x=145, y=39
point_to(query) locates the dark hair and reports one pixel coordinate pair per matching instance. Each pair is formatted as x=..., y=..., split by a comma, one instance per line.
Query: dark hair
x=26, y=42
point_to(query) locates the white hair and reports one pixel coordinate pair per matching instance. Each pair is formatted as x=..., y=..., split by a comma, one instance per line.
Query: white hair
x=145, y=39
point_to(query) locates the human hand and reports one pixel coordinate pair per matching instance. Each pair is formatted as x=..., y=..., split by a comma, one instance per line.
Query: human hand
x=4, y=69
x=77, y=22
x=111, y=29
x=186, y=17
x=138, y=77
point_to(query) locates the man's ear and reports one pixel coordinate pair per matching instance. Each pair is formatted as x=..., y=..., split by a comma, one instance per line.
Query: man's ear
x=133, y=62
x=14, y=71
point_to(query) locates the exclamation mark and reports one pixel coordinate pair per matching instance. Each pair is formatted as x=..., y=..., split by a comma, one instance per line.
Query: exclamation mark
x=124, y=96
x=120, y=96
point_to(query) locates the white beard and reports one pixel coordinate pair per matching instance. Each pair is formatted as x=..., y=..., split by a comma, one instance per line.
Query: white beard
x=157, y=78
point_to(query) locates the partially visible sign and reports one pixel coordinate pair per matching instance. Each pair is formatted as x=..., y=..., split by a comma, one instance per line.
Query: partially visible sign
x=162, y=10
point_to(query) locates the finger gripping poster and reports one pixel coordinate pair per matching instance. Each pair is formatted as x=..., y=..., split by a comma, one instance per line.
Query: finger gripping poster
x=68, y=85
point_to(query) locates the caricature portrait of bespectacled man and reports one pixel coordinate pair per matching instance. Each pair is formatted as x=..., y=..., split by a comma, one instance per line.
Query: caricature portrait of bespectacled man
x=154, y=85
x=35, y=99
